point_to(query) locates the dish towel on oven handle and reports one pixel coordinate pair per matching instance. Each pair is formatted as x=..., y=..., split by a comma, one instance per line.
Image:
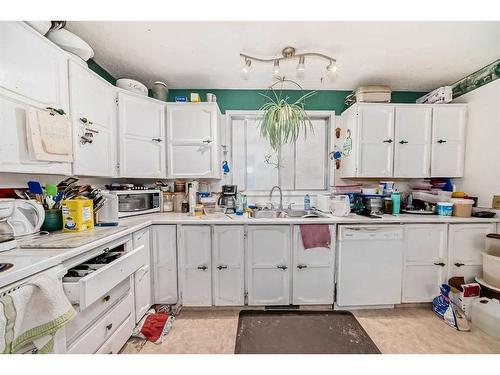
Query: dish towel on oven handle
x=32, y=314
x=315, y=235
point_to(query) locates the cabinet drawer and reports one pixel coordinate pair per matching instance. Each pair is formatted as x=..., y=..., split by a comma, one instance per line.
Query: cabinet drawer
x=118, y=339
x=104, y=328
x=87, y=289
x=87, y=316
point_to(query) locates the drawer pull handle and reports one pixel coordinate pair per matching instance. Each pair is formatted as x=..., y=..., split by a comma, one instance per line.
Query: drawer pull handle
x=282, y=267
x=157, y=140
x=301, y=266
x=107, y=298
x=203, y=268
x=388, y=141
x=459, y=264
x=109, y=326
x=441, y=264
x=207, y=141
x=403, y=142
x=441, y=141
x=221, y=267
x=106, y=250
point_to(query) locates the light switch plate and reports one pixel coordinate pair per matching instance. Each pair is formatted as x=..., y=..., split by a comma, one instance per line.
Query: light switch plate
x=496, y=201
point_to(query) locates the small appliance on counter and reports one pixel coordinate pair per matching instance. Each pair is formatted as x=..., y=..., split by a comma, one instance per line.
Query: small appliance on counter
x=137, y=202
x=227, y=198
x=27, y=217
x=108, y=214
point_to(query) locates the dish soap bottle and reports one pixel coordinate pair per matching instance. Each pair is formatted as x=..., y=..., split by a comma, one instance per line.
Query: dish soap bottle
x=239, y=205
x=307, y=202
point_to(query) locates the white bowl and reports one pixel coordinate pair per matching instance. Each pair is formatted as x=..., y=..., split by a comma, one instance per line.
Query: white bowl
x=71, y=43
x=40, y=26
x=132, y=85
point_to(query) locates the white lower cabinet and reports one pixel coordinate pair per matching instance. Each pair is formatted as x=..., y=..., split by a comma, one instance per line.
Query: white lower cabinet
x=268, y=264
x=228, y=249
x=425, y=259
x=313, y=272
x=164, y=263
x=142, y=277
x=195, y=265
x=465, y=244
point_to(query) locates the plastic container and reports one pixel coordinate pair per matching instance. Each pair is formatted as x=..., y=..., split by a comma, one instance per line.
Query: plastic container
x=396, y=203
x=307, y=202
x=444, y=208
x=53, y=220
x=78, y=214
x=462, y=207
x=168, y=201
x=486, y=316
x=198, y=210
x=491, y=267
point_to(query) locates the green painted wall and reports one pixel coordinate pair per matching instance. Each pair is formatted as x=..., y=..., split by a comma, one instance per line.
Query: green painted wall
x=326, y=100
x=239, y=99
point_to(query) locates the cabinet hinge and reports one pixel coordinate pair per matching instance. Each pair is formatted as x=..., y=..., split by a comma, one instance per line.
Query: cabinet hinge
x=245, y=294
x=116, y=101
x=117, y=166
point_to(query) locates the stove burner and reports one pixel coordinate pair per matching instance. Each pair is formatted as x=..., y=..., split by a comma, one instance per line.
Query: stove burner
x=5, y=266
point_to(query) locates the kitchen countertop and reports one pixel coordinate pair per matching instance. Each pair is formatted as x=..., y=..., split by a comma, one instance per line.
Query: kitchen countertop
x=29, y=261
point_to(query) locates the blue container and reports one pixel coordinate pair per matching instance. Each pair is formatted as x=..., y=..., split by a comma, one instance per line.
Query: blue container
x=444, y=208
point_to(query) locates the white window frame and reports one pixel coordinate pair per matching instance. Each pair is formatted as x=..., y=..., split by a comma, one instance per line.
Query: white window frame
x=328, y=116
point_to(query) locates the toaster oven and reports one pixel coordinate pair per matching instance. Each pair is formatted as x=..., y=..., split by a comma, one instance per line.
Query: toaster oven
x=137, y=202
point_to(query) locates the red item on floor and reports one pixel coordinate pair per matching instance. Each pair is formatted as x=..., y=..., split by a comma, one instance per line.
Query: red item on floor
x=153, y=326
x=315, y=235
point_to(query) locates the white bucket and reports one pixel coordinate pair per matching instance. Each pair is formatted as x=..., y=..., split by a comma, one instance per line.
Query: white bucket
x=491, y=267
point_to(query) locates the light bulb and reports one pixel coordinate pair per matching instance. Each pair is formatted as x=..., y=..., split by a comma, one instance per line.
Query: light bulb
x=246, y=68
x=301, y=68
x=276, y=69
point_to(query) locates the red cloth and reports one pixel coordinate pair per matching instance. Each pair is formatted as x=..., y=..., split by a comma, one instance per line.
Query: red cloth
x=315, y=235
x=153, y=326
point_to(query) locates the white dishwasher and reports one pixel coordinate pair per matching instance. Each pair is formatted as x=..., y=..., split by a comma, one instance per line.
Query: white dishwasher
x=369, y=265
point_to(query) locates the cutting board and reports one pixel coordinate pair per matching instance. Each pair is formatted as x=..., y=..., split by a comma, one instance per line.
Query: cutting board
x=60, y=240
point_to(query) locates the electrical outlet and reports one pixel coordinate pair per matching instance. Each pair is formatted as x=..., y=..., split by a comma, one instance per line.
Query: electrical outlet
x=496, y=201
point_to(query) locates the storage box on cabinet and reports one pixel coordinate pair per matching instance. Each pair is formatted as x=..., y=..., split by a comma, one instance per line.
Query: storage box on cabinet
x=193, y=140
x=195, y=265
x=268, y=264
x=93, y=112
x=425, y=261
x=85, y=290
x=164, y=263
x=313, y=271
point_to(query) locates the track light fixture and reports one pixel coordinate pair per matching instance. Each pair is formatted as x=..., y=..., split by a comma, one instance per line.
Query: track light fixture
x=286, y=54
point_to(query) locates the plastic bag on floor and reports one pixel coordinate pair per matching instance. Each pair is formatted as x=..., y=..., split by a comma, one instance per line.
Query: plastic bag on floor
x=443, y=307
x=154, y=326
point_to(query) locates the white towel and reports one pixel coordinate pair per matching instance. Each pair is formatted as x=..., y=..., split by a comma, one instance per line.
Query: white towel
x=40, y=309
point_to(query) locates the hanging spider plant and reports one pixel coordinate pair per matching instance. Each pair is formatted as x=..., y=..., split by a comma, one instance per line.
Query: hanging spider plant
x=283, y=121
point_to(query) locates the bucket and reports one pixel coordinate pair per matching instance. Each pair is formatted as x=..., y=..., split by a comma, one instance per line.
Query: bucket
x=462, y=207
x=444, y=208
x=491, y=267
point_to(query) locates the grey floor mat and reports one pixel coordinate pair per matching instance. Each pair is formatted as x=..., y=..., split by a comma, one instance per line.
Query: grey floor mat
x=301, y=332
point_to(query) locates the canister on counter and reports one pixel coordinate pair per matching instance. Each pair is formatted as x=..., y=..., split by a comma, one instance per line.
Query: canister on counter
x=78, y=214
x=178, y=197
x=388, y=206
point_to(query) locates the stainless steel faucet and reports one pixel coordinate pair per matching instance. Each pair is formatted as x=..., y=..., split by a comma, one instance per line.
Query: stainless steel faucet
x=281, y=197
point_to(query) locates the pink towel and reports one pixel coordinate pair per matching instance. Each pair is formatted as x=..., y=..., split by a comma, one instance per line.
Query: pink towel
x=315, y=235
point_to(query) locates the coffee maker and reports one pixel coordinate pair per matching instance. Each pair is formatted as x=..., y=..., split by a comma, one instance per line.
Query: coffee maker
x=227, y=198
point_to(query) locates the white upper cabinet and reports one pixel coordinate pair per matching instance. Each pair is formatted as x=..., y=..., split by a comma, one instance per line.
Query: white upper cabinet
x=376, y=141
x=141, y=136
x=32, y=68
x=448, y=140
x=419, y=140
x=93, y=112
x=412, y=147
x=193, y=140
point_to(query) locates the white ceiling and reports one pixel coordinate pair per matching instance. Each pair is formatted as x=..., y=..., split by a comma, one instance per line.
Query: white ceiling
x=404, y=55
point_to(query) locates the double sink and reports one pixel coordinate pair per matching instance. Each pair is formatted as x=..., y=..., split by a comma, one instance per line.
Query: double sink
x=278, y=214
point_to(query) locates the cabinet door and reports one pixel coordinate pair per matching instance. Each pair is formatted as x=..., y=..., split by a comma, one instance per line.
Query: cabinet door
x=465, y=244
x=14, y=146
x=313, y=275
x=164, y=243
x=32, y=67
x=142, y=277
x=192, y=140
x=448, y=141
x=412, y=141
x=269, y=254
x=425, y=261
x=141, y=124
x=195, y=265
x=93, y=111
x=228, y=265
x=376, y=141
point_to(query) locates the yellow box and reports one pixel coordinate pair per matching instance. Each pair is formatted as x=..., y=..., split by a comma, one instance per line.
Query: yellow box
x=78, y=214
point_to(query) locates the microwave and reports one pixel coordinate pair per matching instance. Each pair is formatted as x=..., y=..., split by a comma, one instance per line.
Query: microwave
x=137, y=202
